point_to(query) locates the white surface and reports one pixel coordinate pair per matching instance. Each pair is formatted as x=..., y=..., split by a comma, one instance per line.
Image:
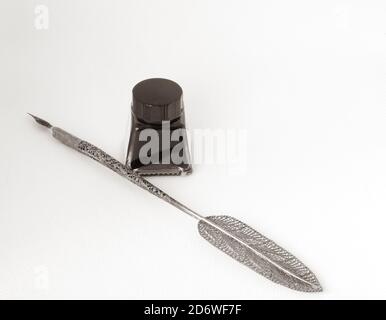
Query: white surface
x=305, y=78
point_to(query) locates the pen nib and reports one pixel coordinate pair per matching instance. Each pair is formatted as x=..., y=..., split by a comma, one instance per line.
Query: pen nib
x=41, y=121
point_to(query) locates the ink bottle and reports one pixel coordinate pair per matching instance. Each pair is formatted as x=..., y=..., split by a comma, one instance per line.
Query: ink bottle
x=158, y=141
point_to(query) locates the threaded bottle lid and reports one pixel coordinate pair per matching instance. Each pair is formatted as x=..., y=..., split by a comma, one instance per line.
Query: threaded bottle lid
x=156, y=100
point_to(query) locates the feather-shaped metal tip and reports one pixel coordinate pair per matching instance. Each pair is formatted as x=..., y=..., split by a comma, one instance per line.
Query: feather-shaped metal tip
x=257, y=252
x=41, y=121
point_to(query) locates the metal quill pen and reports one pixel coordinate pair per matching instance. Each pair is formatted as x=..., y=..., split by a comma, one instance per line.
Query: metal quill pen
x=226, y=233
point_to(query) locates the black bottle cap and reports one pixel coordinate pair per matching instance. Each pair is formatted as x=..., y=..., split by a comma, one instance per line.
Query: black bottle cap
x=156, y=100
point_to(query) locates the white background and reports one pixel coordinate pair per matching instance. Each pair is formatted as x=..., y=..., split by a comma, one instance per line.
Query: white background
x=306, y=79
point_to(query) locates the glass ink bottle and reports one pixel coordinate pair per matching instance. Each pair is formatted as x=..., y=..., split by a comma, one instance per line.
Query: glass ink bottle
x=158, y=141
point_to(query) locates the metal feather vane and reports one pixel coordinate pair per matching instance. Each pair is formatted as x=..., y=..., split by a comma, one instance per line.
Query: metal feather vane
x=228, y=234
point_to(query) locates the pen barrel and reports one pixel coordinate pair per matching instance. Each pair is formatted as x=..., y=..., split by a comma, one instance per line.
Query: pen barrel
x=103, y=158
x=66, y=138
x=108, y=161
